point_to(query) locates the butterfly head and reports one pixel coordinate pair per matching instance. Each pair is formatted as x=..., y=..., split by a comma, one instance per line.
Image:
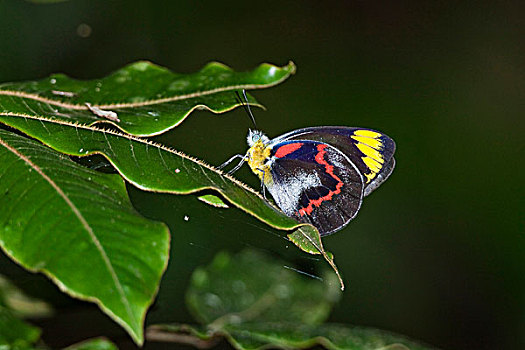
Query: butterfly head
x=256, y=136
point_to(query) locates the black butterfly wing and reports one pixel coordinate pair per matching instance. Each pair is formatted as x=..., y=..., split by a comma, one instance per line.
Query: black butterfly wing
x=371, y=151
x=315, y=183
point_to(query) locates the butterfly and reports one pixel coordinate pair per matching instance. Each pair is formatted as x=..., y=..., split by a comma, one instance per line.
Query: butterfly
x=320, y=175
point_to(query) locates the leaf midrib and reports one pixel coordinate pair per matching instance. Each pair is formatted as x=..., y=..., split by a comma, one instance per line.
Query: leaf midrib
x=130, y=137
x=81, y=219
x=36, y=97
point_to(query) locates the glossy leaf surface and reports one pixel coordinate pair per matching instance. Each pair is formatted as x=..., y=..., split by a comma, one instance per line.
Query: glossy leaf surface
x=78, y=227
x=145, y=99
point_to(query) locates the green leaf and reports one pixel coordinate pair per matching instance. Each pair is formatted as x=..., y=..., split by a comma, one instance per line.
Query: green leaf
x=256, y=303
x=93, y=344
x=147, y=165
x=147, y=100
x=15, y=333
x=131, y=157
x=252, y=287
x=78, y=227
x=330, y=336
x=212, y=200
x=141, y=98
x=153, y=167
x=282, y=335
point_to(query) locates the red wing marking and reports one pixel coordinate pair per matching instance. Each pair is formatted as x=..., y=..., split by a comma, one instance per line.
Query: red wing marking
x=287, y=149
x=319, y=158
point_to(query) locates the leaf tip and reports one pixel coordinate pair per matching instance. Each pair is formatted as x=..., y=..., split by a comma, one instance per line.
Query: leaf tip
x=292, y=68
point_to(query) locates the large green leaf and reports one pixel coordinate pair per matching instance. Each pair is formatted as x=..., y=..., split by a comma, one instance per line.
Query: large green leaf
x=251, y=286
x=78, y=227
x=257, y=303
x=145, y=98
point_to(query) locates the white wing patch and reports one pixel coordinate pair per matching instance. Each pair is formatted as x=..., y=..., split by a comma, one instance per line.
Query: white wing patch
x=290, y=190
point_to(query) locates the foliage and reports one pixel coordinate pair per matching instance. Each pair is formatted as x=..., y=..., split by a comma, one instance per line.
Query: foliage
x=285, y=310
x=16, y=334
x=58, y=215
x=77, y=225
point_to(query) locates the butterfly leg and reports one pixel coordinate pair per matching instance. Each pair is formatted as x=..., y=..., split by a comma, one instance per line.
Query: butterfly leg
x=263, y=188
x=238, y=166
x=243, y=159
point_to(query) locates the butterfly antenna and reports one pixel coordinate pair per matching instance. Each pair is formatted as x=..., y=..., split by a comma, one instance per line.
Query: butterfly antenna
x=246, y=105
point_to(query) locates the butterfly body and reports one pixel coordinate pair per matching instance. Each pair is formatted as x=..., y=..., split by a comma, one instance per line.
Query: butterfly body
x=319, y=175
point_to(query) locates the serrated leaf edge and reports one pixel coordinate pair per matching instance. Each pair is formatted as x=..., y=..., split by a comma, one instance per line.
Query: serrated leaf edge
x=165, y=148
x=136, y=336
x=37, y=97
x=195, y=160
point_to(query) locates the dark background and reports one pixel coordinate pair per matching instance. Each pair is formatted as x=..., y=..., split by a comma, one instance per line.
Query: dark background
x=437, y=253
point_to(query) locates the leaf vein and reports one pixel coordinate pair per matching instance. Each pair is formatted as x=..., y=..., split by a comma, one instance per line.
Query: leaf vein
x=81, y=219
